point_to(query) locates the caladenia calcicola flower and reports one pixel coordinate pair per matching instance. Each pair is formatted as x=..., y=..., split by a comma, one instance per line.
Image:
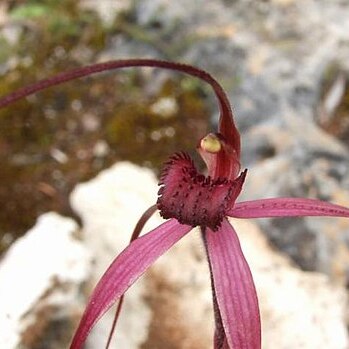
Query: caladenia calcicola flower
x=189, y=199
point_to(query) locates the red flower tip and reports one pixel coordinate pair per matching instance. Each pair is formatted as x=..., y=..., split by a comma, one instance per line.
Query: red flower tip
x=211, y=143
x=192, y=198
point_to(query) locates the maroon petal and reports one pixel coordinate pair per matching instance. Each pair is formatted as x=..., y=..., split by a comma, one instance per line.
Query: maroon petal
x=234, y=288
x=124, y=271
x=228, y=129
x=286, y=207
x=192, y=198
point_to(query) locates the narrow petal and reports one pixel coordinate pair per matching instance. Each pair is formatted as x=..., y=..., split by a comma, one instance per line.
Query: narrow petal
x=124, y=271
x=235, y=290
x=286, y=207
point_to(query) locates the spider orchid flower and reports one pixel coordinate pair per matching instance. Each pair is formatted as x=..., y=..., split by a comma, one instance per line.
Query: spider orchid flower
x=188, y=199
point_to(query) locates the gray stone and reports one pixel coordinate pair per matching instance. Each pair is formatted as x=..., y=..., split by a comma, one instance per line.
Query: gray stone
x=271, y=56
x=307, y=163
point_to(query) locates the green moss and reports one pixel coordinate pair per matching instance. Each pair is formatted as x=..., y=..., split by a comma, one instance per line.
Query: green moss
x=29, y=11
x=144, y=136
x=31, y=181
x=5, y=52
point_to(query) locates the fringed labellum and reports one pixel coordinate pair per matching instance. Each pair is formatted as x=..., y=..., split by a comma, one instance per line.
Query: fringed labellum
x=191, y=197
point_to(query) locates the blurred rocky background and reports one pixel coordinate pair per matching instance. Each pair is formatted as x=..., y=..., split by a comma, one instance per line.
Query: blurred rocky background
x=285, y=67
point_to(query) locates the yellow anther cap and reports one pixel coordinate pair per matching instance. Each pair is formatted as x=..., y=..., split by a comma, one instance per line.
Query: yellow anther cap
x=211, y=143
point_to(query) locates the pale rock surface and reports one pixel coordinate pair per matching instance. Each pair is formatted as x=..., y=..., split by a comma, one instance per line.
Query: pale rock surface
x=108, y=10
x=40, y=285
x=171, y=307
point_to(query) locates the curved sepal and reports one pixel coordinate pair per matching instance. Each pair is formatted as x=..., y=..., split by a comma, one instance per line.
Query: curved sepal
x=124, y=271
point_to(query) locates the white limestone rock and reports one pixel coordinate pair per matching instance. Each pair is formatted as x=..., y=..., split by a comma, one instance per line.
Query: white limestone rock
x=107, y=10
x=40, y=285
